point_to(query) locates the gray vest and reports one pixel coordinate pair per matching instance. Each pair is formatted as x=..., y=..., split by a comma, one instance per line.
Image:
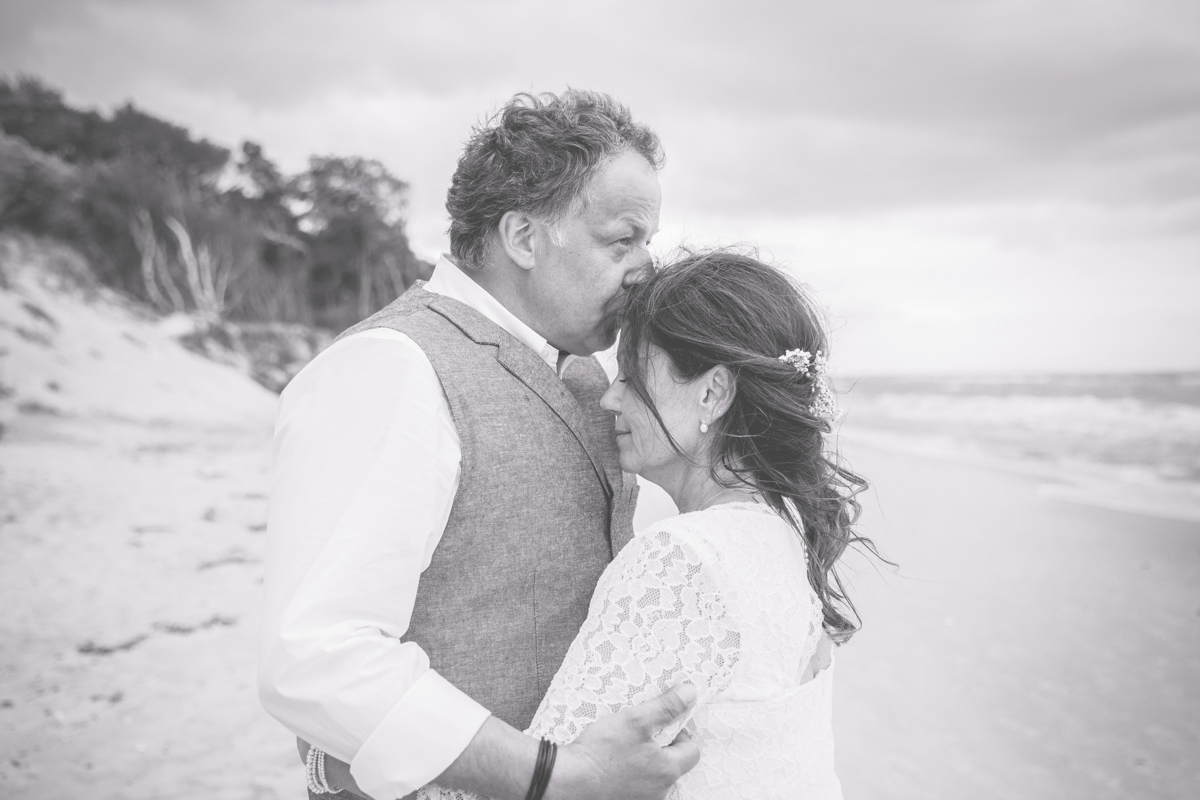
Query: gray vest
x=542, y=506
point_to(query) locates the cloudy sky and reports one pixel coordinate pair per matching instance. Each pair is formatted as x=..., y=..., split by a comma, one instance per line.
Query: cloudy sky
x=970, y=185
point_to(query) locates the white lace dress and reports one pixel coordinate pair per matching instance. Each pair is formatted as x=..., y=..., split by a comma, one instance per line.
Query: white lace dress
x=719, y=598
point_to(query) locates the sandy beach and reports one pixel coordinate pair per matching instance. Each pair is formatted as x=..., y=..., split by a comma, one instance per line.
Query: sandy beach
x=131, y=589
x=1027, y=647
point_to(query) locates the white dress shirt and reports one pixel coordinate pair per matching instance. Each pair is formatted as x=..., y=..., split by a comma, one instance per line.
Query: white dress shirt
x=366, y=467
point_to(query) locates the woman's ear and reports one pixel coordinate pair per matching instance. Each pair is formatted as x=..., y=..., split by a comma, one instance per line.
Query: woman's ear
x=718, y=389
x=516, y=233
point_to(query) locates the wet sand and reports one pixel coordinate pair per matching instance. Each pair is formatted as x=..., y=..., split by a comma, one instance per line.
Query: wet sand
x=1026, y=648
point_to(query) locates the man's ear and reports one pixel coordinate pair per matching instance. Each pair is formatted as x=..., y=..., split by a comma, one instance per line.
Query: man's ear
x=718, y=388
x=516, y=232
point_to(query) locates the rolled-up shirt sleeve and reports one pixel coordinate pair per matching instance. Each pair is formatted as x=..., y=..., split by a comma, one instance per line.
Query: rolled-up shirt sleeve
x=366, y=467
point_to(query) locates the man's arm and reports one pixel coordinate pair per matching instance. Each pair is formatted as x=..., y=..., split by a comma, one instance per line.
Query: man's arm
x=366, y=468
x=614, y=759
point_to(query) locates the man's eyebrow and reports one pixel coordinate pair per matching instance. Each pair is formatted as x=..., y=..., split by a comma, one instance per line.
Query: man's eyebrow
x=620, y=224
x=635, y=220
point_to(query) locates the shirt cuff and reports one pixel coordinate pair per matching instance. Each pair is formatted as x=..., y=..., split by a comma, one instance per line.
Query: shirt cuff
x=420, y=737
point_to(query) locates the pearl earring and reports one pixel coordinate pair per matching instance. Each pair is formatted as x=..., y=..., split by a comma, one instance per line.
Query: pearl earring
x=704, y=424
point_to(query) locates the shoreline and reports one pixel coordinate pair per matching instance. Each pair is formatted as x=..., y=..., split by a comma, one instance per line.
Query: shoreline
x=1080, y=483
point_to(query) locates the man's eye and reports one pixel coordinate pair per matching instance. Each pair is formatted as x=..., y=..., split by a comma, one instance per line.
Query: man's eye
x=627, y=241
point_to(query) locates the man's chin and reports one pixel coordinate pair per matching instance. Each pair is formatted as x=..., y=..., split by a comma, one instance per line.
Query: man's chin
x=609, y=336
x=606, y=343
x=590, y=347
x=596, y=341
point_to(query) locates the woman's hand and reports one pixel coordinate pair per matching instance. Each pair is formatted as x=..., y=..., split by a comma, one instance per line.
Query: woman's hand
x=337, y=773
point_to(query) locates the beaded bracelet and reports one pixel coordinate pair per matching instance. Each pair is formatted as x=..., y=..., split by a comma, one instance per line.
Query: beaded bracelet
x=547, y=753
x=314, y=765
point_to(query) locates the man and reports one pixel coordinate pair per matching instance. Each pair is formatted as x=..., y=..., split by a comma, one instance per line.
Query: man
x=446, y=489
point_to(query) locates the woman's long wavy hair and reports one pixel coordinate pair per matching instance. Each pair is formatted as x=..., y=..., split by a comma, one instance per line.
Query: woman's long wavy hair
x=724, y=308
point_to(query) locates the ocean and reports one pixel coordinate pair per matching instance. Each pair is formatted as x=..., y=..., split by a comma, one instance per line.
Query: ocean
x=1129, y=442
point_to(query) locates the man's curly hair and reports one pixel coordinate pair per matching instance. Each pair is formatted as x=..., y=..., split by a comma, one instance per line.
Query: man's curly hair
x=537, y=155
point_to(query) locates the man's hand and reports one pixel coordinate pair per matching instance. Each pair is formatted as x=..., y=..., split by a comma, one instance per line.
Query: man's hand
x=617, y=758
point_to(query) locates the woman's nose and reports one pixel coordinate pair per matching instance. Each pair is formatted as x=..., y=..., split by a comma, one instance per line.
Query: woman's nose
x=610, y=400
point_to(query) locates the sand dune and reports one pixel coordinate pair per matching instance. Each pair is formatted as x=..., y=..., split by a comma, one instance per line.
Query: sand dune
x=134, y=478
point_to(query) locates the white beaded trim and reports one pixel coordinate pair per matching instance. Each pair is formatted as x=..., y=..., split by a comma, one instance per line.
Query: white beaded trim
x=314, y=765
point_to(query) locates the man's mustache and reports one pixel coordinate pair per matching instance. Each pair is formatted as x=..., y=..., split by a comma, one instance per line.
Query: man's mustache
x=614, y=311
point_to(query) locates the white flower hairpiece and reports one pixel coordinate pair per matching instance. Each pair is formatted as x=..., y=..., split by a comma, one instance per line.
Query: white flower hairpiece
x=800, y=359
x=816, y=369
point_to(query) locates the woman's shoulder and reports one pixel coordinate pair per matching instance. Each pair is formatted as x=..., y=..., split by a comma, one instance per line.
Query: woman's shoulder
x=737, y=544
x=684, y=532
x=705, y=536
x=722, y=521
x=673, y=545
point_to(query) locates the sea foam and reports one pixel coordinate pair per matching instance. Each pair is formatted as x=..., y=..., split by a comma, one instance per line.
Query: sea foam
x=1130, y=442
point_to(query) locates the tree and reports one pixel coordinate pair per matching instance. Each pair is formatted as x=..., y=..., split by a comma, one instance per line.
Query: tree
x=36, y=189
x=36, y=113
x=266, y=182
x=146, y=203
x=162, y=147
x=355, y=216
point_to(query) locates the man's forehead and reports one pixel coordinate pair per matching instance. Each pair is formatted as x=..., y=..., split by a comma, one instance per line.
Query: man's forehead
x=615, y=196
x=639, y=213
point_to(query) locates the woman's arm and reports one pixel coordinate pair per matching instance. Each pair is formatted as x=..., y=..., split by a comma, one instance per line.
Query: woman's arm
x=660, y=618
x=337, y=773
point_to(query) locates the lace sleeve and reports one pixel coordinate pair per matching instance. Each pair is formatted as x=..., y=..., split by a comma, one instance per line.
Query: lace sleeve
x=659, y=618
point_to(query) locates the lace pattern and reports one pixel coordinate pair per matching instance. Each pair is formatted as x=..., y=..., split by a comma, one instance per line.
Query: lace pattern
x=658, y=619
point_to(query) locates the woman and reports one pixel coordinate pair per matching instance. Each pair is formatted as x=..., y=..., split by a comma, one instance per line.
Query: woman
x=722, y=400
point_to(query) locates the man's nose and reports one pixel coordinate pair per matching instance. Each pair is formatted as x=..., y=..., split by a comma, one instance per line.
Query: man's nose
x=639, y=273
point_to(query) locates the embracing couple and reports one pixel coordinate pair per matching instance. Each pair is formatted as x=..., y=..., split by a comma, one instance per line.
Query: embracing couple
x=456, y=603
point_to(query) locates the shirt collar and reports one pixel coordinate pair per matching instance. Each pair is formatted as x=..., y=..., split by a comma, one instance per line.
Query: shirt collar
x=450, y=281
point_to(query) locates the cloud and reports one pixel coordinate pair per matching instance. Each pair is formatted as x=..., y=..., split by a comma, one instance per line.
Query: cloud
x=872, y=103
x=925, y=161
